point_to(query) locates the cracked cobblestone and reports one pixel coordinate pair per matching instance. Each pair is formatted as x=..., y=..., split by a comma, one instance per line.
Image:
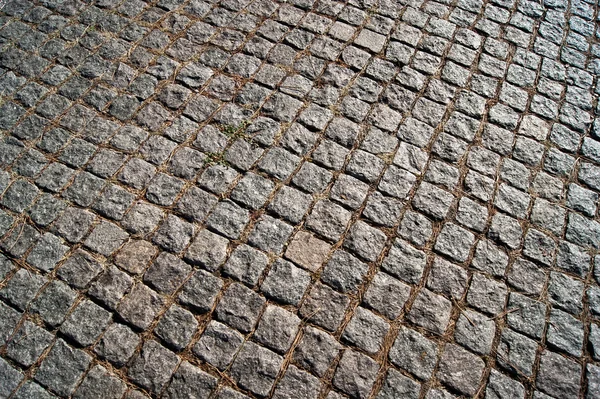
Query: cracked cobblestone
x=299, y=199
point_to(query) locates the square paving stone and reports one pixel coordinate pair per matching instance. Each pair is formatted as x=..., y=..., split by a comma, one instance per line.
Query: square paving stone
x=414, y=353
x=10, y=319
x=136, y=173
x=195, y=204
x=277, y=329
x=54, y=302
x=200, y=291
x=297, y=384
x=167, y=273
x=349, y=191
x=344, y=272
x=208, y=250
x=252, y=191
x=475, y=332
x=99, y=383
x=176, y=327
x=312, y=178
x=19, y=196
x=228, y=219
x=307, y=251
x=355, y=374
x=218, y=345
x=246, y=264
x=316, y=350
x=28, y=343
x=163, y=189
x=290, y=204
x=11, y=378
x=135, y=256
x=527, y=277
x=365, y=241
x=324, y=307
x=217, y=178
x=189, y=381
x=460, y=369
x=174, y=234
x=397, y=182
x=366, y=330
x=397, y=385
x=565, y=292
x=22, y=288
x=255, y=368
x=490, y=259
x=572, y=258
x=77, y=153
x=558, y=376
x=455, y=242
x=387, y=295
x=47, y=252
x=430, y=311
x=85, y=324
x=367, y=167
x=85, y=189
x=239, y=307
x=153, y=366
x=106, y=163
x=516, y=353
x=285, y=282
x=416, y=228
x=105, y=238
x=506, y=230
x=479, y=186
x=63, y=368
x=44, y=211
x=447, y=278
x=539, y=246
x=405, y=262
x=432, y=201
x=141, y=306
x=565, y=332
x=113, y=202
x=118, y=344
x=30, y=164
x=279, y=163
x=330, y=155
x=111, y=286
x=382, y=210
x=242, y=154
x=129, y=139
x=503, y=387
x=529, y=317
x=142, y=218
x=270, y=234
x=486, y=294
x=186, y=163
x=328, y=219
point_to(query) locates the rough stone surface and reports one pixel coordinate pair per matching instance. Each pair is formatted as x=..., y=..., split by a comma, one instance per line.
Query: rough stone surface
x=299, y=199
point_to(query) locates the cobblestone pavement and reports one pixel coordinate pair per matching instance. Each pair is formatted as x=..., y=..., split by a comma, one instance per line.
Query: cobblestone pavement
x=299, y=199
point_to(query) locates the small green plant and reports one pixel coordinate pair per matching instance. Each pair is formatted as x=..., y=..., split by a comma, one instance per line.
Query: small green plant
x=216, y=158
x=235, y=131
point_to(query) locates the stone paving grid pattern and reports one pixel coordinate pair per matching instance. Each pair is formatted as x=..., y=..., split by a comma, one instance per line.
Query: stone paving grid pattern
x=300, y=199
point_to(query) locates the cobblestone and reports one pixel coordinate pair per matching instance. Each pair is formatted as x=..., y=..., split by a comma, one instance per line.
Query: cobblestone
x=299, y=199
